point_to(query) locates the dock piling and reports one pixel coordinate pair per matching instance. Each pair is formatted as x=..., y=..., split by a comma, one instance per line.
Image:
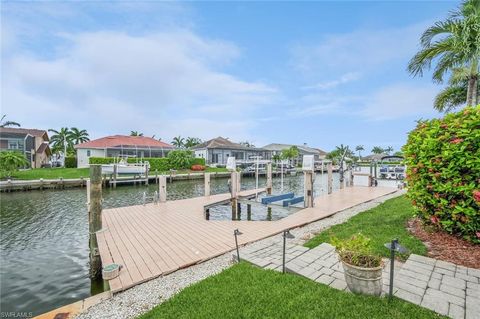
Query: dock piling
x=269, y=178
x=329, y=178
x=207, y=184
x=162, y=188
x=95, y=218
x=308, y=188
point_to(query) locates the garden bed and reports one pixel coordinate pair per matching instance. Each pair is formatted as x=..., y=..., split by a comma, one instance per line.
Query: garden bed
x=444, y=246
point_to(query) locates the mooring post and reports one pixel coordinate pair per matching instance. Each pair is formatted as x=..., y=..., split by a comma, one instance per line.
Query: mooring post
x=207, y=184
x=146, y=173
x=269, y=213
x=95, y=218
x=308, y=189
x=329, y=178
x=239, y=211
x=269, y=178
x=88, y=195
x=233, y=190
x=115, y=175
x=351, y=177
x=162, y=188
x=207, y=213
x=249, y=211
x=239, y=182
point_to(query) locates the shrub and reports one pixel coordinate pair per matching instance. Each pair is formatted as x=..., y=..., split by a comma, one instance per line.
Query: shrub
x=101, y=160
x=355, y=251
x=180, y=159
x=10, y=161
x=443, y=172
x=70, y=162
x=198, y=161
x=160, y=164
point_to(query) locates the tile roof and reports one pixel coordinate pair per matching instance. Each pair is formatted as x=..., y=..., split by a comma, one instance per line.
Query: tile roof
x=123, y=140
x=280, y=147
x=44, y=148
x=221, y=142
x=19, y=130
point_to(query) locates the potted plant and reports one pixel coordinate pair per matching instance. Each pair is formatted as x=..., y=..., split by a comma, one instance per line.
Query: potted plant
x=363, y=270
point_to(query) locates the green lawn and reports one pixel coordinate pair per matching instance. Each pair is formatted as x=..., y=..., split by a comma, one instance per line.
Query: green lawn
x=381, y=224
x=245, y=291
x=55, y=173
x=52, y=173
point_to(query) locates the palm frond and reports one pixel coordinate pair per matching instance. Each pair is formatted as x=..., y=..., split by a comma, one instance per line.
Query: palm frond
x=450, y=98
x=439, y=28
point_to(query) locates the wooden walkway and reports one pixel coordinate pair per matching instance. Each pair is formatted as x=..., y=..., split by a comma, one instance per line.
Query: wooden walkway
x=157, y=239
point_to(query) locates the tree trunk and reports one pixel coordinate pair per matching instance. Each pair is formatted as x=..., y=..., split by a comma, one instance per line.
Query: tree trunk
x=475, y=100
x=470, y=90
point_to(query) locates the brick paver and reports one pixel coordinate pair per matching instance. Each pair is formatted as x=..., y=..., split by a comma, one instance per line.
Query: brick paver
x=441, y=286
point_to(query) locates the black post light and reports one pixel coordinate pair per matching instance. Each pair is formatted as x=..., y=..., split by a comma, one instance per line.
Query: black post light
x=286, y=234
x=394, y=246
x=236, y=233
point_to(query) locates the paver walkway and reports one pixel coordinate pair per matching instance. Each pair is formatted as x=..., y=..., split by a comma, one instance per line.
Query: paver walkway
x=443, y=287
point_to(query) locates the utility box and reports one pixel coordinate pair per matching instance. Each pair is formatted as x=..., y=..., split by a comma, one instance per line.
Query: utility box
x=231, y=164
x=308, y=163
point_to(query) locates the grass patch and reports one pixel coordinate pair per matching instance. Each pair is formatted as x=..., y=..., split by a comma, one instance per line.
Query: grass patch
x=381, y=224
x=245, y=291
x=52, y=173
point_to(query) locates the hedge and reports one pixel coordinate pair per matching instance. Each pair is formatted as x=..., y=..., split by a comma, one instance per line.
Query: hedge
x=443, y=172
x=161, y=164
x=70, y=162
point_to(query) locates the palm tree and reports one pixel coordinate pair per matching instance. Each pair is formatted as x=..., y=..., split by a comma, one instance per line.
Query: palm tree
x=4, y=123
x=453, y=43
x=388, y=150
x=135, y=133
x=77, y=136
x=359, y=148
x=192, y=141
x=455, y=94
x=377, y=150
x=178, y=141
x=60, y=141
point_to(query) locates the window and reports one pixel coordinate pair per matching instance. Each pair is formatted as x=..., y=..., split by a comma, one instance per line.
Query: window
x=88, y=153
x=15, y=144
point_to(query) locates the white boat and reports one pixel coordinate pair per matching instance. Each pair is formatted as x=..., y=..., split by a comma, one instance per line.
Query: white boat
x=124, y=168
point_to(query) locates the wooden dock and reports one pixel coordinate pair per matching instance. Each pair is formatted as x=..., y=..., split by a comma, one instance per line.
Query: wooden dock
x=156, y=239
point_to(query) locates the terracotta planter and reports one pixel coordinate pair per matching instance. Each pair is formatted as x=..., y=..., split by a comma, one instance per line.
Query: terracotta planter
x=363, y=280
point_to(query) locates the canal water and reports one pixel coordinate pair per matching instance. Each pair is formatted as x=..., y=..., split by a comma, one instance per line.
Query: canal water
x=44, y=236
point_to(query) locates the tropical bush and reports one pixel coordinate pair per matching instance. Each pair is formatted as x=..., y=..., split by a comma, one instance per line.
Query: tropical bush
x=443, y=172
x=11, y=161
x=180, y=159
x=70, y=162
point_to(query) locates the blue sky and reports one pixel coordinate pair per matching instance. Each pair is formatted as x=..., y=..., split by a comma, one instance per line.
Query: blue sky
x=321, y=73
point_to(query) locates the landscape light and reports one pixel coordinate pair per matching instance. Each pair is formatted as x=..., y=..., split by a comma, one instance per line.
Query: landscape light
x=393, y=247
x=236, y=233
x=286, y=234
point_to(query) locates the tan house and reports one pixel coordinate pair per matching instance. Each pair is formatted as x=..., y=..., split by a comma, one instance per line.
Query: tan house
x=31, y=142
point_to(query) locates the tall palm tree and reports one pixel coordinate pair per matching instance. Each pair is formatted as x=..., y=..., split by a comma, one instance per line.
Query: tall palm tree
x=178, y=141
x=377, y=150
x=388, y=150
x=359, y=148
x=77, y=136
x=61, y=141
x=192, y=141
x=135, y=133
x=455, y=94
x=4, y=123
x=452, y=43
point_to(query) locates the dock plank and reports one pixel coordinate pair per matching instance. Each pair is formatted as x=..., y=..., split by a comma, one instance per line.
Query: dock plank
x=156, y=239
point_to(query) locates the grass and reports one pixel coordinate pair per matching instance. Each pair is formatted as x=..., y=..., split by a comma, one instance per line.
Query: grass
x=381, y=224
x=245, y=291
x=55, y=173
x=52, y=173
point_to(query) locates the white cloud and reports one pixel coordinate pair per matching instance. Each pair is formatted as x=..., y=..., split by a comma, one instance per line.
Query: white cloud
x=347, y=77
x=167, y=83
x=400, y=100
